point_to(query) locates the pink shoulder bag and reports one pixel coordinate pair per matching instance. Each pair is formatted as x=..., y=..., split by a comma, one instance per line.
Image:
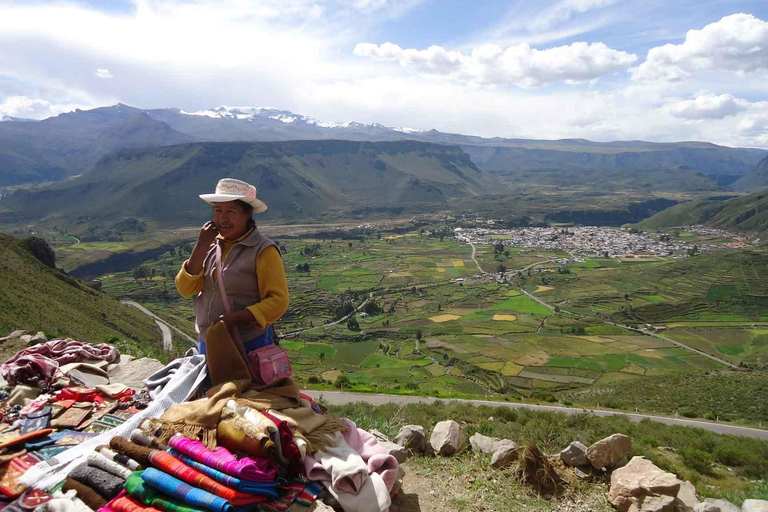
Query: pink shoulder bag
x=267, y=363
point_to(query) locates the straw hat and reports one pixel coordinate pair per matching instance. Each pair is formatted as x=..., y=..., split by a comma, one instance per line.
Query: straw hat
x=230, y=189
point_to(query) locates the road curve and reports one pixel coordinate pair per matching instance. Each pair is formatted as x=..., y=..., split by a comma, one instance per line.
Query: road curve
x=343, y=397
x=164, y=327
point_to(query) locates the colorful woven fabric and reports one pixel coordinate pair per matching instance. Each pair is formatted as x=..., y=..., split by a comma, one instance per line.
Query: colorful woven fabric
x=175, y=488
x=124, y=503
x=169, y=464
x=266, y=489
x=254, y=470
x=138, y=489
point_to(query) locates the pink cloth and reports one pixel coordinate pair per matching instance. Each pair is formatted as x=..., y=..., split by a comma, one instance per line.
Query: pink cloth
x=375, y=457
x=42, y=361
x=253, y=470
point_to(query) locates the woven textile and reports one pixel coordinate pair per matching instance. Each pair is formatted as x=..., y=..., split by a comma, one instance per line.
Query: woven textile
x=170, y=465
x=97, y=460
x=175, y=488
x=138, y=489
x=255, y=470
x=267, y=489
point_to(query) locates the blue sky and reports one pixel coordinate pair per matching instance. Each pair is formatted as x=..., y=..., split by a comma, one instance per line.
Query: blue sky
x=658, y=70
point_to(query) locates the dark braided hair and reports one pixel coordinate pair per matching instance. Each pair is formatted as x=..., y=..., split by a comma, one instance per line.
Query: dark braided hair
x=249, y=210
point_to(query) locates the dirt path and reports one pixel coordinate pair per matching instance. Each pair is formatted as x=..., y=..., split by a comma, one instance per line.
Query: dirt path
x=164, y=327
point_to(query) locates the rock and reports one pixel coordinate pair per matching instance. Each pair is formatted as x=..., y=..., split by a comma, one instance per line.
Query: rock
x=661, y=503
x=319, y=506
x=575, y=455
x=396, y=450
x=484, y=444
x=609, y=451
x=448, y=437
x=18, y=333
x=378, y=435
x=26, y=339
x=754, y=506
x=716, y=505
x=40, y=337
x=412, y=437
x=133, y=373
x=505, y=454
x=686, y=499
x=639, y=480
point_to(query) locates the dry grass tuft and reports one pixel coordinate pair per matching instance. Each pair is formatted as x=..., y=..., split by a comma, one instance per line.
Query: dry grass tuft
x=534, y=469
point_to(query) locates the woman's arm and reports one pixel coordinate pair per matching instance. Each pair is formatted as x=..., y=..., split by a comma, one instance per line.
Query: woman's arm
x=273, y=288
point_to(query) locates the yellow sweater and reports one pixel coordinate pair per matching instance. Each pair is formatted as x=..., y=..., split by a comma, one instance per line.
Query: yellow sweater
x=273, y=287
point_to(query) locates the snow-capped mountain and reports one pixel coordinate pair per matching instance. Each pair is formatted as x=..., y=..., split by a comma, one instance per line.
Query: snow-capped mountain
x=286, y=117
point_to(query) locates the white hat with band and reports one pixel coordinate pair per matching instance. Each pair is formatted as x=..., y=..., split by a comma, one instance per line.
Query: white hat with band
x=230, y=189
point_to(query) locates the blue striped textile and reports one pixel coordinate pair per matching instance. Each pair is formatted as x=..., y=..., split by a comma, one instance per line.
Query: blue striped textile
x=175, y=488
x=269, y=490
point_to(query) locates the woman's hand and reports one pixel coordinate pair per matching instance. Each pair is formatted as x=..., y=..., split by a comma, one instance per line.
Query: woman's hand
x=229, y=320
x=238, y=317
x=207, y=235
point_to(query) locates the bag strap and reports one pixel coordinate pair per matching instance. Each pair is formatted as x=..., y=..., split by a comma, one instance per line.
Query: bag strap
x=234, y=332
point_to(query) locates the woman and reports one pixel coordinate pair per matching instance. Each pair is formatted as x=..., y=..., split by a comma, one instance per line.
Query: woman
x=254, y=277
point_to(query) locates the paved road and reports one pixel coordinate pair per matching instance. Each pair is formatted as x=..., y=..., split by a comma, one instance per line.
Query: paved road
x=164, y=327
x=343, y=397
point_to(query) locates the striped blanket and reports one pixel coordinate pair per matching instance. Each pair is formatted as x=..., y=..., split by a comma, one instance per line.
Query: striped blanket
x=254, y=470
x=267, y=489
x=138, y=489
x=175, y=488
x=169, y=464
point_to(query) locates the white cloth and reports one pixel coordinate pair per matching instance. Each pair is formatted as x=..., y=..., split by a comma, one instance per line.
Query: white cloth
x=180, y=387
x=97, y=460
x=346, y=467
x=64, y=502
x=373, y=496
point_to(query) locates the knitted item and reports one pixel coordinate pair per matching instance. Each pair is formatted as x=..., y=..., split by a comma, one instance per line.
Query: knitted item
x=138, y=489
x=105, y=484
x=170, y=465
x=97, y=460
x=119, y=458
x=138, y=453
x=267, y=489
x=89, y=496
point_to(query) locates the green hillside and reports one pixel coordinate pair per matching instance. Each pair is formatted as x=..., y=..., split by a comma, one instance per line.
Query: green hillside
x=746, y=214
x=36, y=297
x=297, y=179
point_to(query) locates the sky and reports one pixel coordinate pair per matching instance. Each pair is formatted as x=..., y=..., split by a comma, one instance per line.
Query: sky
x=658, y=70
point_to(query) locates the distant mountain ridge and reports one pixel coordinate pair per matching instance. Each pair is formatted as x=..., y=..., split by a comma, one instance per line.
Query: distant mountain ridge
x=71, y=143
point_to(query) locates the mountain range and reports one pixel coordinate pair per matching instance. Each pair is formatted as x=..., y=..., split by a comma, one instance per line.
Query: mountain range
x=68, y=144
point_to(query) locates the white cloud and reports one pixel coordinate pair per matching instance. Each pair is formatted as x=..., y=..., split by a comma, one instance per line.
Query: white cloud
x=565, y=10
x=708, y=106
x=31, y=108
x=737, y=43
x=103, y=73
x=518, y=65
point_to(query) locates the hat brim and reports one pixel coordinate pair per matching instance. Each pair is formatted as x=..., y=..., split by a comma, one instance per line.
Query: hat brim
x=258, y=206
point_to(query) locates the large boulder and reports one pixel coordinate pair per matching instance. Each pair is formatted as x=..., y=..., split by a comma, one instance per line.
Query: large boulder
x=484, y=444
x=505, y=454
x=394, y=449
x=716, y=505
x=636, y=485
x=412, y=437
x=39, y=337
x=754, y=506
x=686, y=499
x=575, y=455
x=609, y=451
x=448, y=437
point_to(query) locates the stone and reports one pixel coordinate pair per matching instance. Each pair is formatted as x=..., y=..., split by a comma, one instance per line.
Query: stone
x=448, y=437
x=609, y=451
x=484, y=444
x=686, y=499
x=319, y=506
x=18, y=333
x=505, y=454
x=661, y=503
x=133, y=373
x=396, y=450
x=26, y=339
x=379, y=435
x=39, y=337
x=716, y=505
x=575, y=455
x=640, y=479
x=412, y=437
x=754, y=506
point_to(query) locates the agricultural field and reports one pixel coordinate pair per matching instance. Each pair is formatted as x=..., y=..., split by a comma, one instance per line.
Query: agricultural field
x=427, y=321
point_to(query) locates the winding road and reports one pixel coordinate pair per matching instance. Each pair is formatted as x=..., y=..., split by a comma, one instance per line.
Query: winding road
x=164, y=327
x=343, y=397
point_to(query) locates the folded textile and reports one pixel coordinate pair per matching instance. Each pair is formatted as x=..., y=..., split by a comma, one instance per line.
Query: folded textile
x=170, y=465
x=289, y=449
x=112, y=390
x=340, y=464
x=226, y=361
x=265, y=488
x=97, y=460
x=88, y=495
x=185, y=493
x=121, y=459
x=375, y=456
x=313, y=426
x=64, y=502
x=255, y=470
x=85, y=374
x=23, y=395
x=11, y=473
x=106, y=484
x=136, y=452
x=125, y=503
x=79, y=394
x=372, y=497
x=138, y=489
x=42, y=361
x=23, y=438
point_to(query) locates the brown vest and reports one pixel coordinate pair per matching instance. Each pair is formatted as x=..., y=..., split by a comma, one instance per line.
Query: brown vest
x=240, y=282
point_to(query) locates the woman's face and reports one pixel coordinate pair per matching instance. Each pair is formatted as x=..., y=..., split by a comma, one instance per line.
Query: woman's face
x=230, y=219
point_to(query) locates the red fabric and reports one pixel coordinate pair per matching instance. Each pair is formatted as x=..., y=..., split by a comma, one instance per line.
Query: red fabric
x=289, y=448
x=79, y=394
